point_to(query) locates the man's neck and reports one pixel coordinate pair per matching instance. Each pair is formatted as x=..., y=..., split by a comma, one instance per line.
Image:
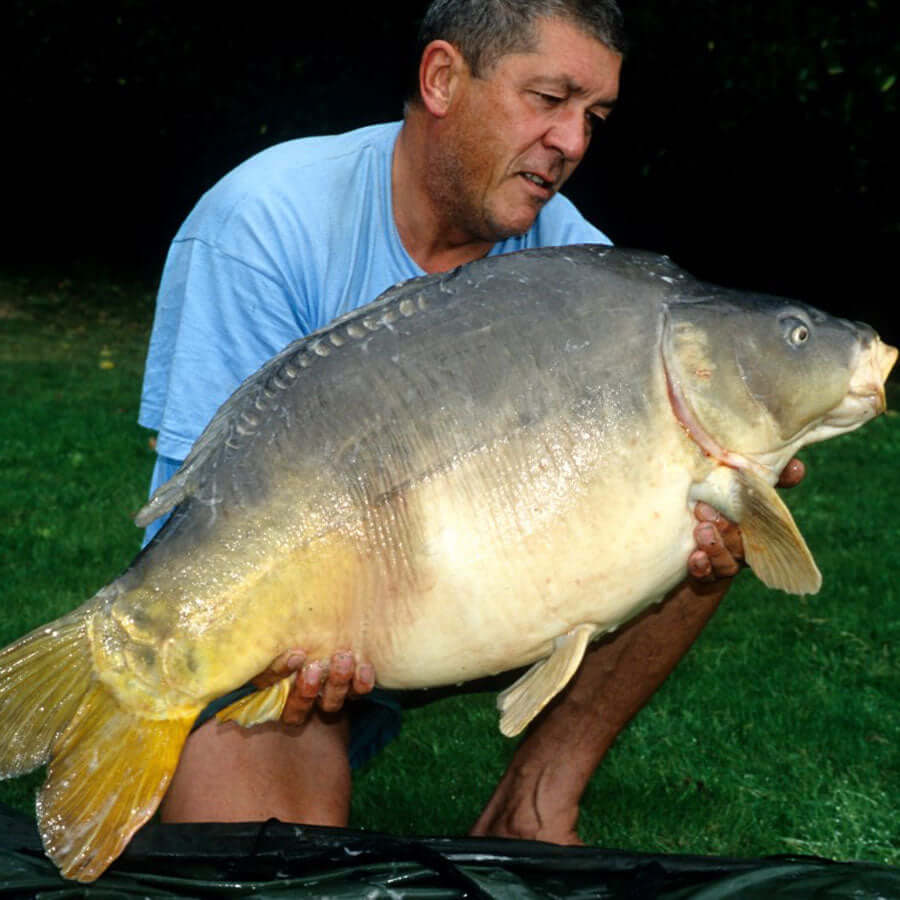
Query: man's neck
x=433, y=243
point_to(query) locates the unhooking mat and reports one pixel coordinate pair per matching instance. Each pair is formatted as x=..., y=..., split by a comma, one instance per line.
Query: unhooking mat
x=278, y=860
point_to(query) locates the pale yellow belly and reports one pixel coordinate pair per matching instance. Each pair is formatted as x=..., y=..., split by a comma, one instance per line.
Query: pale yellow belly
x=488, y=571
x=493, y=591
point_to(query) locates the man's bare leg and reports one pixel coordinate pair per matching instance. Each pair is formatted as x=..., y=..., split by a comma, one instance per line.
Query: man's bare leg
x=232, y=774
x=291, y=771
x=538, y=796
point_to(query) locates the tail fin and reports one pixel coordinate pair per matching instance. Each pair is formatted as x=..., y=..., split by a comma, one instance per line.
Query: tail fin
x=109, y=772
x=43, y=677
x=108, y=767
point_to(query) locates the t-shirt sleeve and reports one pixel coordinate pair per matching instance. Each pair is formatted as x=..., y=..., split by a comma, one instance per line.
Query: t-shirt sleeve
x=218, y=318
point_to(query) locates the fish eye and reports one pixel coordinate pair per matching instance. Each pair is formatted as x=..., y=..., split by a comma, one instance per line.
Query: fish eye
x=796, y=331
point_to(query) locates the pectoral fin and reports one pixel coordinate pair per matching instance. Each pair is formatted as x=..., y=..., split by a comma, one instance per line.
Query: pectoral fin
x=522, y=701
x=773, y=545
x=261, y=706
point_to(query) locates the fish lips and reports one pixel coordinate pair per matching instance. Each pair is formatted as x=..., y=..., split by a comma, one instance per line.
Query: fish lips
x=866, y=395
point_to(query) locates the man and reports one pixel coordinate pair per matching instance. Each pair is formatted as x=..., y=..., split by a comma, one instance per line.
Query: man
x=507, y=96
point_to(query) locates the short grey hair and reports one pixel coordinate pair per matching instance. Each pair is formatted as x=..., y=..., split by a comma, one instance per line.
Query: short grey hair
x=486, y=30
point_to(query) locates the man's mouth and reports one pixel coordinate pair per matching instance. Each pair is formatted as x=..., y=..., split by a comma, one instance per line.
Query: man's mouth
x=539, y=180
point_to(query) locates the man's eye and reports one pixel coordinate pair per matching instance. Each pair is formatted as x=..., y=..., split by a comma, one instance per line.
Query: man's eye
x=550, y=99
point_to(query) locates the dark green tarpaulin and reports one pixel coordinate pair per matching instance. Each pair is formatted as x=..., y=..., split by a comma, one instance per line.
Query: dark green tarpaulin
x=280, y=860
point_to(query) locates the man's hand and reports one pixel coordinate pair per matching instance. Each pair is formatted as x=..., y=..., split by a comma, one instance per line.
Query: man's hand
x=326, y=685
x=720, y=551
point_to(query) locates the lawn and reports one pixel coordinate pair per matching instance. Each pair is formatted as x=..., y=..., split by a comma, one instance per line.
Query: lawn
x=778, y=734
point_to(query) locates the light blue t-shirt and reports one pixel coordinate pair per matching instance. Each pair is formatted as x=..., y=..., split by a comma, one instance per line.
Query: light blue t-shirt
x=295, y=236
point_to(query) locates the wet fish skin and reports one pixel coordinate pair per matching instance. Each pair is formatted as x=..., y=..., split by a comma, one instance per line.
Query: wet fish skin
x=478, y=471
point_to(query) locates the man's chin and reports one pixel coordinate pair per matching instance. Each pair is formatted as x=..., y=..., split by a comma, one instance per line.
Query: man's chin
x=512, y=226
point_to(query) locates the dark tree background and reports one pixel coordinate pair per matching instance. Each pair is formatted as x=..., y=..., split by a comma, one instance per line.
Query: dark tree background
x=755, y=141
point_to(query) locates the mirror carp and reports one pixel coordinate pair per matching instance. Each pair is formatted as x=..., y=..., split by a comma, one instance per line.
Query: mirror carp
x=478, y=471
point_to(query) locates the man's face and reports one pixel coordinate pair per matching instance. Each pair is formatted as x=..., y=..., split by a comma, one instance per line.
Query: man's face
x=513, y=136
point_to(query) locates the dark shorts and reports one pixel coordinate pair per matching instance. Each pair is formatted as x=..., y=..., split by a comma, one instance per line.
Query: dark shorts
x=374, y=720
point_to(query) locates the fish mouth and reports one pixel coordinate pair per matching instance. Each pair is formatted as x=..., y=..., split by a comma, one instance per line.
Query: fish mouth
x=887, y=356
x=866, y=395
x=872, y=373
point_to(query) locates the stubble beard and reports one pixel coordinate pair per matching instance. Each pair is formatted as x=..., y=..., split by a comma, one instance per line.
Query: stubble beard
x=454, y=183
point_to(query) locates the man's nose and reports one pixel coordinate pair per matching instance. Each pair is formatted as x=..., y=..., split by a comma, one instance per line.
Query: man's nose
x=570, y=134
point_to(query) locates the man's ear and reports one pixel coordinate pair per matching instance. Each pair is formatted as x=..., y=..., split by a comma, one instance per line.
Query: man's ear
x=440, y=72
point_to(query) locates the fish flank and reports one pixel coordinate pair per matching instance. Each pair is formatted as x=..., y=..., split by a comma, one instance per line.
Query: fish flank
x=230, y=429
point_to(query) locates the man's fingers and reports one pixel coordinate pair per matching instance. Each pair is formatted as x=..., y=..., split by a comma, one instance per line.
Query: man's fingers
x=327, y=686
x=338, y=682
x=289, y=661
x=700, y=567
x=720, y=549
x=793, y=473
x=720, y=561
x=363, y=680
x=724, y=529
x=297, y=708
x=309, y=681
x=303, y=694
x=346, y=679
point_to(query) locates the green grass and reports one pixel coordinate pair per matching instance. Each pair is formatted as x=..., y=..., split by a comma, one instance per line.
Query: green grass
x=778, y=733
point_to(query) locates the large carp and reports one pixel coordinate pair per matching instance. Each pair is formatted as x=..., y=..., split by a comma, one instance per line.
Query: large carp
x=477, y=471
